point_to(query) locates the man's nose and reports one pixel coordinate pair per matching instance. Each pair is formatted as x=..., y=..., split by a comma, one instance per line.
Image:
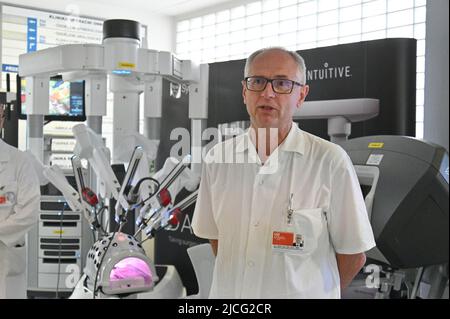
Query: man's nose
x=268, y=91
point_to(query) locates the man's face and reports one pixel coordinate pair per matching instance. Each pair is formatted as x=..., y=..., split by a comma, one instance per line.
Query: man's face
x=268, y=109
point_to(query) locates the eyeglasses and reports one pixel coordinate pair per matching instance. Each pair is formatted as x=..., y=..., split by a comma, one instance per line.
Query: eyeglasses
x=280, y=86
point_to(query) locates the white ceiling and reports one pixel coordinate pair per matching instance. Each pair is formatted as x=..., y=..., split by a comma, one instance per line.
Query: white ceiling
x=166, y=7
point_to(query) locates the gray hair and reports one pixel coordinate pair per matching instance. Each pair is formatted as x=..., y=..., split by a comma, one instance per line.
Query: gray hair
x=297, y=58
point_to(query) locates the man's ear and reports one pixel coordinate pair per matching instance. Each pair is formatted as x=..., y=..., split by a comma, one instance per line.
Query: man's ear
x=303, y=94
x=244, y=91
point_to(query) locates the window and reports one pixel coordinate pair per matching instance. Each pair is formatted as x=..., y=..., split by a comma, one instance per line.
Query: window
x=303, y=24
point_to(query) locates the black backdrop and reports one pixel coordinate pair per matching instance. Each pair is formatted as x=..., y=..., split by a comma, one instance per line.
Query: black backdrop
x=382, y=69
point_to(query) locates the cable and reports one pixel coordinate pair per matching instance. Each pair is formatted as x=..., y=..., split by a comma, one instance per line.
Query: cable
x=143, y=241
x=138, y=184
x=181, y=206
x=93, y=227
x=100, y=213
x=59, y=250
x=93, y=235
x=151, y=195
x=96, y=219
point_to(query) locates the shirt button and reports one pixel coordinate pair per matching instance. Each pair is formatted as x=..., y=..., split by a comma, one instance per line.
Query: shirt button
x=250, y=263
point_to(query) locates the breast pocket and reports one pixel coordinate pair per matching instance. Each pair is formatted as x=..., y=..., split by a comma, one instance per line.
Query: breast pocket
x=309, y=225
x=8, y=197
x=17, y=260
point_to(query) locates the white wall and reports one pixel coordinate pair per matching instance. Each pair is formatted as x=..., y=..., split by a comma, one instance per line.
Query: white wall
x=436, y=74
x=160, y=28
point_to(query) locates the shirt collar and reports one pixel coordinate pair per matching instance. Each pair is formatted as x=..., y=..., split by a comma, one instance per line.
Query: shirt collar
x=4, y=152
x=294, y=141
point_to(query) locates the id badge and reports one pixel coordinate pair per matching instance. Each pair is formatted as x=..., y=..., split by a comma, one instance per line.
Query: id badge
x=287, y=241
x=9, y=197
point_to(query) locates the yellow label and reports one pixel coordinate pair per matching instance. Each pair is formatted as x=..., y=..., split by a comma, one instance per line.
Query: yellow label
x=376, y=145
x=126, y=65
x=58, y=232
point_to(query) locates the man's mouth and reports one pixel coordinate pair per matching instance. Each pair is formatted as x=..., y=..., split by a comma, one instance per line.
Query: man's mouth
x=266, y=108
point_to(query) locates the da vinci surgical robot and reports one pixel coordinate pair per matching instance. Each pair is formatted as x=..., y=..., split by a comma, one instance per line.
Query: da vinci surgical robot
x=117, y=265
x=131, y=70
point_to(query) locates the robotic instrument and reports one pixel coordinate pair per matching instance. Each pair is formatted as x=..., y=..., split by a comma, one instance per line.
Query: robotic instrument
x=405, y=184
x=116, y=264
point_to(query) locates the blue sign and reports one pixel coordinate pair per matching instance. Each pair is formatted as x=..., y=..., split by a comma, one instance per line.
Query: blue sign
x=31, y=34
x=10, y=68
x=121, y=72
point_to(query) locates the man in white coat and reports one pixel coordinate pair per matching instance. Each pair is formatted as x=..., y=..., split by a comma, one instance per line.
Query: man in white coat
x=19, y=206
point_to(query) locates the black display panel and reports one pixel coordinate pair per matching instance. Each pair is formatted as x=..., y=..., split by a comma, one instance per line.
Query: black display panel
x=66, y=100
x=381, y=69
x=410, y=212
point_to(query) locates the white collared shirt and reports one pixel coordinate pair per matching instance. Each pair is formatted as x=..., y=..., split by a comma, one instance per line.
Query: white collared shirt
x=243, y=204
x=19, y=193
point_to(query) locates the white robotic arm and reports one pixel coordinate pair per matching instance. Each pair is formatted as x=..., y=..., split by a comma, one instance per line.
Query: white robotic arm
x=74, y=199
x=126, y=189
x=175, y=180
x=55, y=175
x=90, y=147
x=174, y=176
x=340, y=114
x=129, y=141
x=88, y=198
x=169, y=217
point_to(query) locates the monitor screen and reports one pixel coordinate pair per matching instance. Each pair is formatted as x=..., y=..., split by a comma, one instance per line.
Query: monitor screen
x=66, y=100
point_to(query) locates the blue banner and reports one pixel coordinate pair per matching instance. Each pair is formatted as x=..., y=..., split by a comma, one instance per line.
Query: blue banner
x=12, y=68
x=31, y=34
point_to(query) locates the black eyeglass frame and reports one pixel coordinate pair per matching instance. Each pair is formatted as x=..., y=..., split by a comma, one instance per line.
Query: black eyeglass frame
x=271, y=83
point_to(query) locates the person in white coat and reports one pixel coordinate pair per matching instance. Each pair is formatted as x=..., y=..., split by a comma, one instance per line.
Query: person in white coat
x=283, y=209
x=19, y=207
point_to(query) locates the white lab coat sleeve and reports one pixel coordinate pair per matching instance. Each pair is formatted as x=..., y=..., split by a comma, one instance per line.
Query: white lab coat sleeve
x=203, y=222
x=348, y=222
x=26, y=209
